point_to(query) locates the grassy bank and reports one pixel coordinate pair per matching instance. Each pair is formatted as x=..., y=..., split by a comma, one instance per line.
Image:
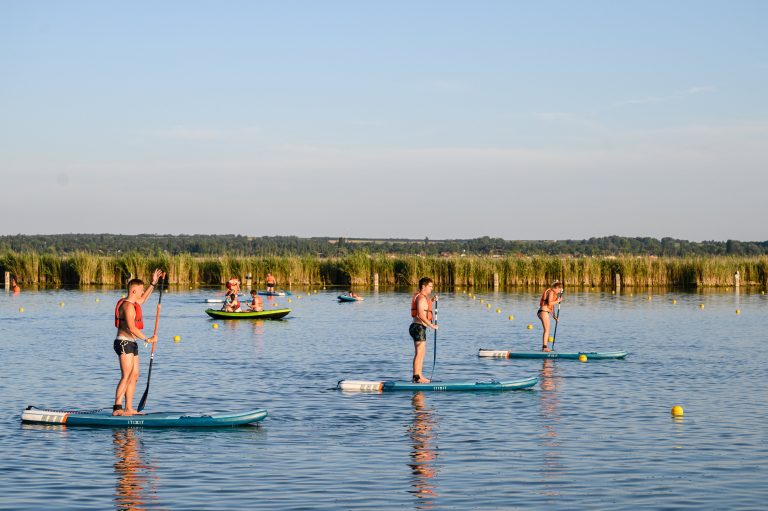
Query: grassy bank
x=86, y=268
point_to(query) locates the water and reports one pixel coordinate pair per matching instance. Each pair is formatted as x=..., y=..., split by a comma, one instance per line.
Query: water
x=595, y=435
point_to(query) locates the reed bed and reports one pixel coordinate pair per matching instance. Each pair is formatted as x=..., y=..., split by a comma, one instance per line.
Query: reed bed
x=359, y=268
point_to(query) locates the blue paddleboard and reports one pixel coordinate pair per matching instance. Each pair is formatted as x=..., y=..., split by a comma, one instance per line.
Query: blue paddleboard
x=591, y=355
x=386, y=386
x=104, y=417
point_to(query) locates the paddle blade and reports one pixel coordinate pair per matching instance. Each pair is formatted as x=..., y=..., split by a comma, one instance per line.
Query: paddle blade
x=143, y=401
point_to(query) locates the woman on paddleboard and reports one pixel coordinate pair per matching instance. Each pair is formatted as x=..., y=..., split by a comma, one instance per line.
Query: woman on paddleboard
x=552, y=296
x=422, y=318
x=129, y=321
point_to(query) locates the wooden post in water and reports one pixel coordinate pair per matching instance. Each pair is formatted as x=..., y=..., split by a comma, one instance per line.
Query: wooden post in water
x=375, y=280
x=495, y=281
x=618, y=282
x=736, y=279
x=7, y=281
x=248, y=280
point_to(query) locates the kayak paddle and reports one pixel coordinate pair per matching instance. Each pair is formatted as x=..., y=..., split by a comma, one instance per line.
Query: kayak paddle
x=152, y=355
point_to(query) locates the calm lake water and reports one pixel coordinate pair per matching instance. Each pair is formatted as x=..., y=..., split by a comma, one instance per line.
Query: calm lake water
x=595, y=435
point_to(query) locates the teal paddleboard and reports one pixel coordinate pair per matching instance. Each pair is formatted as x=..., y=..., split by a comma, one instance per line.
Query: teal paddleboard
x=273, y=293
x=591, y=355
x=386, y=386
x=104, y=417
x=268, y=314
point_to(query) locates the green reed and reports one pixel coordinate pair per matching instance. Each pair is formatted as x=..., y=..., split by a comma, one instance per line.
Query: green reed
x=401, y=270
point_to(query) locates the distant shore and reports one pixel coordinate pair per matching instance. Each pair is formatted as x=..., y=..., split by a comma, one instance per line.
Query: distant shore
x=358, y=268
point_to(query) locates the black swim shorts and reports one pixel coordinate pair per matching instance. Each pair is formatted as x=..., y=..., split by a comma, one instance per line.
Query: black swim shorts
x=418, y=332
x=124, y=347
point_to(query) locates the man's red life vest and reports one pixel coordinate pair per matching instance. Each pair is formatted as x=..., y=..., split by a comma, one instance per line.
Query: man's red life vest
x=139, y=321
x=415, y=312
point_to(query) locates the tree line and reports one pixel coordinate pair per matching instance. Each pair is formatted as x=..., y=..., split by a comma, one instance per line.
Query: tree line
x=239, y=245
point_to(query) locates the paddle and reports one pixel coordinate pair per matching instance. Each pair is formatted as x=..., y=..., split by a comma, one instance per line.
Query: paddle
x=554, y=334
x=152, y=355
x=434, y=351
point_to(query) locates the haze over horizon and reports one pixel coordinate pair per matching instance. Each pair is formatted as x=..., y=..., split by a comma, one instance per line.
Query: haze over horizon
x=450, y=120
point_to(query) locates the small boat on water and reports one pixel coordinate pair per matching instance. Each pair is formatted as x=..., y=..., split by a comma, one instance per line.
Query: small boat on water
x=349, y=298
x=266, y=314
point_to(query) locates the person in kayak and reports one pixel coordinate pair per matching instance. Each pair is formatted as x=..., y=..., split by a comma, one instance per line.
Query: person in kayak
x=553, y=295
x=422, y=318
x=257, y=304
x=232, y=302
x=271, y=283
x=129, y=321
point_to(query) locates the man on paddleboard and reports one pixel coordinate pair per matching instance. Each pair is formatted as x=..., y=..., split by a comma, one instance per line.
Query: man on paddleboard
x=270, y=283
x=129, y=321
x=421, y=312
x=553, y=295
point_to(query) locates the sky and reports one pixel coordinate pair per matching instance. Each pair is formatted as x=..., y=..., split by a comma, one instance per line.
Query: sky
x=444, y=119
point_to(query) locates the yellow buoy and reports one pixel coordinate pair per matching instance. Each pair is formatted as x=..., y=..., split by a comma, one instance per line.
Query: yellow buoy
x=674, y=302
x=97, y=300
x=298, y=297
x=511, y=317
x=488, y=305
x=61, y=304
x=275, y=304
x=529, y=327
x=677, y=411
x=481, y=300
x=649, y=298
x=176, y=338
x=551, y=338
x=21, y=309
x=613, y=292
x=215, y=325
x=701, y=306
x=738, y=311
x=582, y=358
x=498, y=311
x=315, y=291
x=289, y=300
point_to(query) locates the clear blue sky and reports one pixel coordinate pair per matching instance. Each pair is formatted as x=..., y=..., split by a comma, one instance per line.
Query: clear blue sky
x=447, y=119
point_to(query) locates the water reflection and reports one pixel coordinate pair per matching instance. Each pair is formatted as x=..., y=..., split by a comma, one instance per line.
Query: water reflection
x=423, y=453
x=135, y=479
x=549, y=381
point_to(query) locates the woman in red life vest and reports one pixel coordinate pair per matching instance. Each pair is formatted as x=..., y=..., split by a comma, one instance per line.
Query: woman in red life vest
x=422, y=318
x=15, y=286
x=547, y=303
x=129, y=321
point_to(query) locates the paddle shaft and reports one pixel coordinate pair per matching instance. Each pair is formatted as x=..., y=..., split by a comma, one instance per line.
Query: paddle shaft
x=554, y=334
x=152, y=354
x=434, y=350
